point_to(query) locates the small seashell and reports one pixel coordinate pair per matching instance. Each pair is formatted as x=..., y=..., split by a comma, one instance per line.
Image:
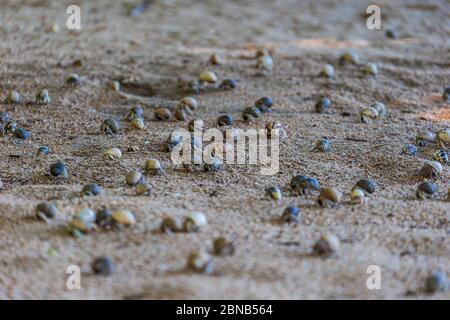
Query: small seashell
x=290, y=214
x=46, y=210
x=349, y=57
x=171, y=225
x=102, y=266
x=135, y=112
x=275, y=193
x=113, y=153
x=13, y=97
x=357, y=196
x=124, y=217
x=188, y=102
x=134, y=177
x=367, y=115
x=426, y=190
x=110, y=126
x=327, y=71
x=323, y=105
x=264, y=62
x=370, y=68
x=43, y=97
x=58, y=170
x=425, y=138
x=250, y=112
x=138, y=123
x=431, y=170
x=228, y=84
x=225, y=120
x=328, y=245
x=264, y=104
x=153, y=166
x=162, y=113
x=323, y=145
x=275, y=130
x=223, y=247
x=194, y=221
x=200, y=262
x=115, y=85
x=329, y=197
x=443, y=137
x=91, y=189
x=303, y=185
x=143, y=189
x=180, y=115
x=368, y=186
x=410, y=150
x=216, y=59
x=72, y=80
x=380, y=107
x=207, y=76
x=84, y=220
x=437, y=282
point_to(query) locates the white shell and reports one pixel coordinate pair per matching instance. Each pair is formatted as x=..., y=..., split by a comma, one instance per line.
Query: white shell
x=115, y=85
x=370, y=68
x=380, y=107
x=327, y=70
x=113, y=153
x=265, y=62
x=124, y=217
x=357, y=196
x=86, y=214
x=13, y=97
x=198, y=218
x=333, y=242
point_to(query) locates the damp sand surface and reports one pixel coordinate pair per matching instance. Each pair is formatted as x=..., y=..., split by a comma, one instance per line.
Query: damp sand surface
x=171, y=42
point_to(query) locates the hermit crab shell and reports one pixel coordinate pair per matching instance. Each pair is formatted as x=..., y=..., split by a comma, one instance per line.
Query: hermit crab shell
x=113, y=153
x=169, y=225
x=133, y=178
x=328, y=245
x=431, y=170
x=153, y=166
x=124, y=217
x=328, y=195
x=195, y=220
x=380, y=107
x=207, y=76
x=189, y=102
x=425, y=137
x=367, y=114
x=200, y=262
x=327, y=71
x=138, y=123
x=265, y=62
x=275, y=130
x=443, y=136
x=84, y=220
x=357, y=196
x=370, y=68
x=13, y=97
x=350, y=56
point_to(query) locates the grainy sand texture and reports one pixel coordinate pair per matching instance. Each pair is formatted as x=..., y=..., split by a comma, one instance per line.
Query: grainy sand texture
x=171, y=42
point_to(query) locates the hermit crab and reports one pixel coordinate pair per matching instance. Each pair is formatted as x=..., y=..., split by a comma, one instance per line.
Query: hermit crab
x=367, y=115
x=443, y=137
